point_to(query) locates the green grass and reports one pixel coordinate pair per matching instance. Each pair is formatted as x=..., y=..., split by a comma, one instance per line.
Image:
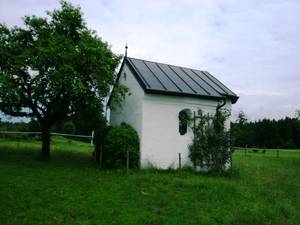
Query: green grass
x=69, y=189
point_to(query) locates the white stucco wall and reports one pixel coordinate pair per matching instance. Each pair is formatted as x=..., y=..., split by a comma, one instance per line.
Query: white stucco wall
x=155, y=118
x=162, y=141
x=131, y=108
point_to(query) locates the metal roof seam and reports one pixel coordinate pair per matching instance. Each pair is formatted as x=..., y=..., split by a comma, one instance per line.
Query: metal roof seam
x=139, y=73
x=155, y=76
x=204, y=72
x=157, y=64
x=195, y=81
x=204, y=80
x=224, y=86
x=182, y=79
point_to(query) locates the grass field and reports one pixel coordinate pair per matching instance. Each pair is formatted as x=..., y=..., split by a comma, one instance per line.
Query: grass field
x=69, y=189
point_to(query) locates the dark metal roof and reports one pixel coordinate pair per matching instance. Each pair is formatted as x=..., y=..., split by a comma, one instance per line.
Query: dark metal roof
x=160, y=78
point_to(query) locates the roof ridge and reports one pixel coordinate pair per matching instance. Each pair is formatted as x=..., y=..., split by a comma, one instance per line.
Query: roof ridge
x=166, y=64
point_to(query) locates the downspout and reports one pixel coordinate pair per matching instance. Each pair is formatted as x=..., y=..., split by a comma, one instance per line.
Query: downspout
x=220, y=105
x=218, y=126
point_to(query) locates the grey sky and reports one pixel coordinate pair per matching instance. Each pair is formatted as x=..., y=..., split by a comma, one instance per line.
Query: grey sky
x=253, y=46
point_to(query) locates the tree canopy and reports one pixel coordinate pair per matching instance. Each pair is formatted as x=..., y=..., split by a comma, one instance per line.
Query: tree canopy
x=266, y=133
x=54, y=67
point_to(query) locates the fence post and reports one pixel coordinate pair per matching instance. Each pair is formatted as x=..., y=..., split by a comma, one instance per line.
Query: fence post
x=194, y=131
x=92, y=139
x=179, y=158
x=277, y=153
x=245, y=150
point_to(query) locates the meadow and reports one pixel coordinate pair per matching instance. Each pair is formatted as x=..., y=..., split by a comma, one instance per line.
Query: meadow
x=69, y=188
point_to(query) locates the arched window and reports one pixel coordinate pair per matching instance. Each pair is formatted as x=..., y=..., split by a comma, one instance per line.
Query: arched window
x=183, y=117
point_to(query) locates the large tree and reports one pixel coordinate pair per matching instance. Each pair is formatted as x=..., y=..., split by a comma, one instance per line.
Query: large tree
x=53, y=67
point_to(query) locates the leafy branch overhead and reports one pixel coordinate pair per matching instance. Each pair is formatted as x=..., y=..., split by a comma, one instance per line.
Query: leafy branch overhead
x=54, y=66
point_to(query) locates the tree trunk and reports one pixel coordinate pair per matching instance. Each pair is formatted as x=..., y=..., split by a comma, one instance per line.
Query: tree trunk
x=45, y=141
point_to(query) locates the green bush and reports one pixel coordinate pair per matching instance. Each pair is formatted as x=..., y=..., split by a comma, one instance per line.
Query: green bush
x=210, y=148
x=117, y=142
x=69, y=127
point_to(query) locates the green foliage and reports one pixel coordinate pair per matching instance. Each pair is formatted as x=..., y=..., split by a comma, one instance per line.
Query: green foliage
x=266, y=133
x=53, y=67
x=68, y=189
x=238, y=134
x=99, y=137
x=89, y=119
x=242, y=118
x=118, y=94
x=9, y=126
x=117, y=142
x=33, y=126
x=211, y=147
x=68, y=127
x=297, y=114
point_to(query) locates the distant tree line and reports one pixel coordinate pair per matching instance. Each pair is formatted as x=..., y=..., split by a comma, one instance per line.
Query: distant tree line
x=266, y=133
x=78, y=126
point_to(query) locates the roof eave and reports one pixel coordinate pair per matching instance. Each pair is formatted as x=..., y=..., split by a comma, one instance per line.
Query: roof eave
x=153, y=91
x=234, y=99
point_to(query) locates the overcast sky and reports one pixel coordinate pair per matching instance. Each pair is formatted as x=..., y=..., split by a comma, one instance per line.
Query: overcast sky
x=252, y=46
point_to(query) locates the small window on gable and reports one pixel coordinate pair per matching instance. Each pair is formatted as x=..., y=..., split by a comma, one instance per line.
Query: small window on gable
x=125, y=76
x=183, y=117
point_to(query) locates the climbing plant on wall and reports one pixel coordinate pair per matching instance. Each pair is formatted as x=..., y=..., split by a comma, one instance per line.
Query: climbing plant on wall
x=210, y=148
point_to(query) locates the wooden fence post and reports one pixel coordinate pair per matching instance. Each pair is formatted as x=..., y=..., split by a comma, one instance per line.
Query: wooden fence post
x=179, y=158
x=92, y=138
x=194, y=131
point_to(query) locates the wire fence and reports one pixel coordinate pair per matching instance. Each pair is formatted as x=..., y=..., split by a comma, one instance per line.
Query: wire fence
x=25, y=135
x=246, y=151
